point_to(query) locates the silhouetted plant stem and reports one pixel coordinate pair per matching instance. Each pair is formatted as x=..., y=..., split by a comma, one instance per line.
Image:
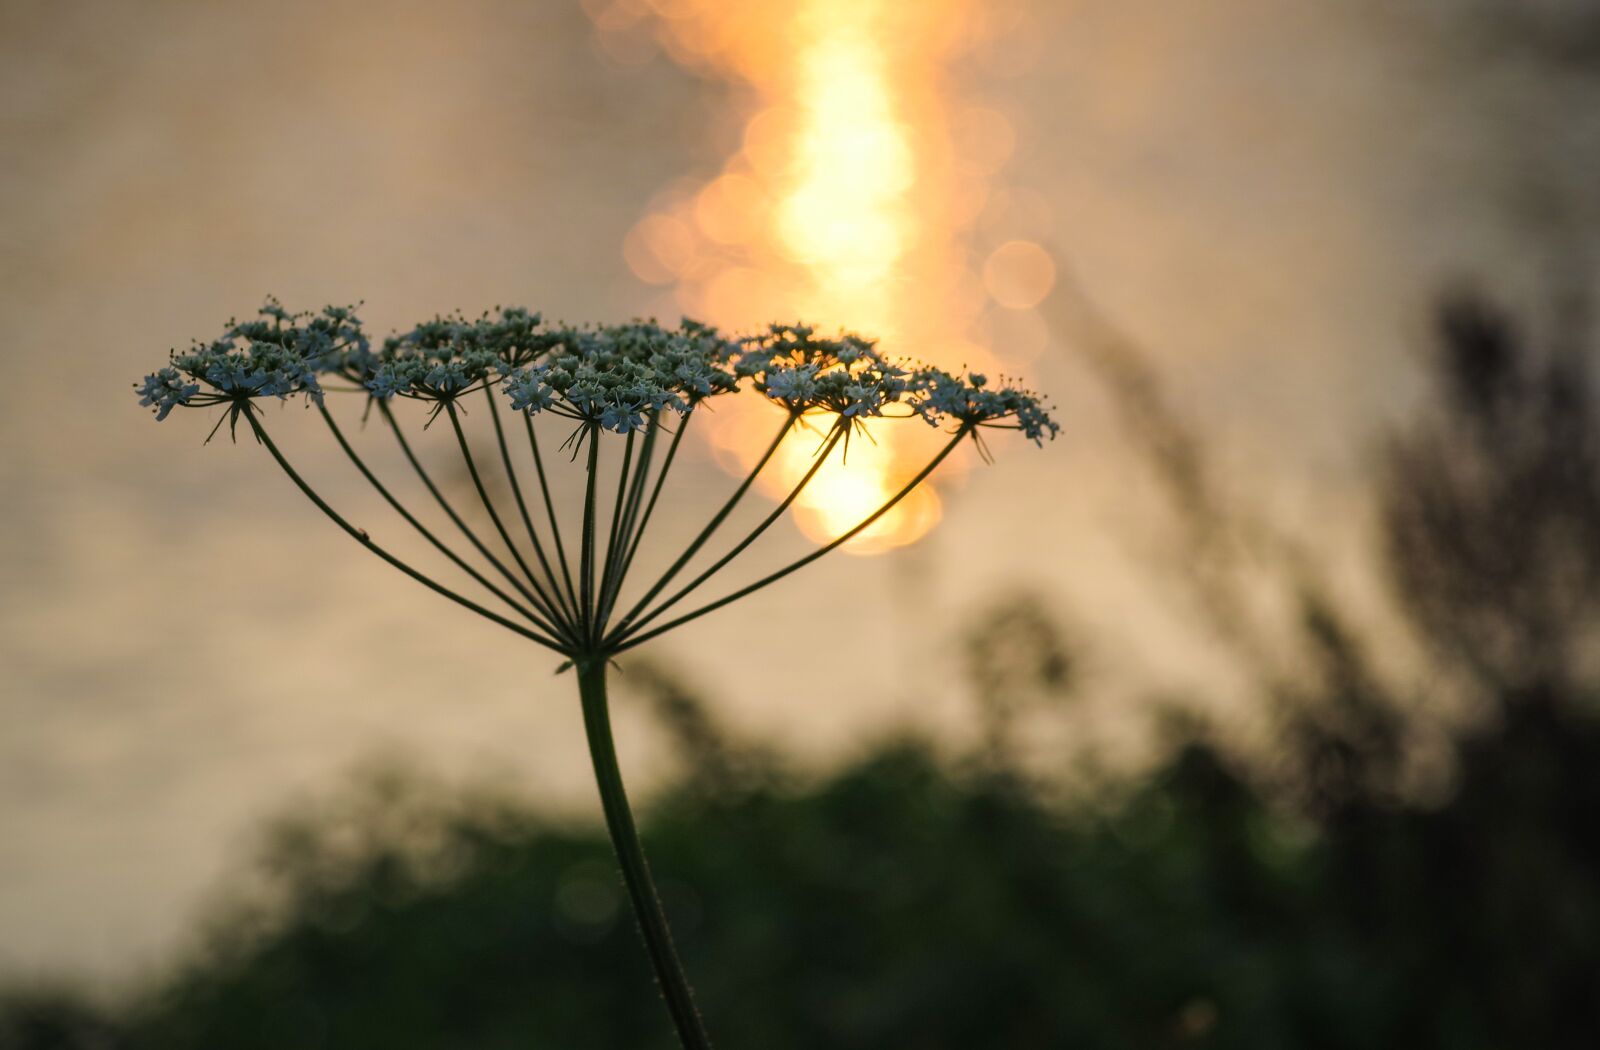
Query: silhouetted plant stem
x=628, y=641
x=550, y=508
x=630, y=516
x=522, y=505
x=444, y=504
x=630, y=855
x=739, y=548
x=613, y=542
x=655, y=493
x=711, y=527
x=544, y=601
x=426, y=533
x=586, y=606
x=360, y=536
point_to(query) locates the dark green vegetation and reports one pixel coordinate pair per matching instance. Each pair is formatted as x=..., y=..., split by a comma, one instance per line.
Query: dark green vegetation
x=1382, y=875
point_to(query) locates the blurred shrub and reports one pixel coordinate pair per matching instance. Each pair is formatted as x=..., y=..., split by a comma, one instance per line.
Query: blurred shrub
x=900, y=903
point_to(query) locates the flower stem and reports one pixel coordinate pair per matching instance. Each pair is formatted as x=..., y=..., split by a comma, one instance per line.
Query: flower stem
x=444, y=505
x=540, y=597
x=615, y=571
x=586, y=605
x=360, y=536
x=550, y=509
x=705, y=533
x=655, y=494
x=755, y=534
x=623, y=639
x=522, y=505
x=602, y=596
x=630, y=855
x=425, y=532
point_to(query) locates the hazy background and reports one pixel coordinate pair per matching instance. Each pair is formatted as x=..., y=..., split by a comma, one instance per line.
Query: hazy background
x=1266, y=196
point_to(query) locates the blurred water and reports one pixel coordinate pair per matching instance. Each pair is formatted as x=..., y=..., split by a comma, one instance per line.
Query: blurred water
x=1266, y=194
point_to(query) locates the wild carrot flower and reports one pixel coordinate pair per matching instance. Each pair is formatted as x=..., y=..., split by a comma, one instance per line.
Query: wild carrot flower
x=555, y=575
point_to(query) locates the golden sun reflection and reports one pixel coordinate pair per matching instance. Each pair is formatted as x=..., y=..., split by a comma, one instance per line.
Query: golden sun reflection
x=847, y=204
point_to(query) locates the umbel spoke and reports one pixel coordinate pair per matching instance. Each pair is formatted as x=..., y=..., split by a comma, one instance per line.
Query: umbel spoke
x=820, y=458
x=628, y=642
x=361, y=537
x=522, y=506
x=450, y=511
x=716, y=520
x=655, y=494
x=424, y=531
x=626, y=383
x=550, y=507
x=540, y=596
x=624, y=475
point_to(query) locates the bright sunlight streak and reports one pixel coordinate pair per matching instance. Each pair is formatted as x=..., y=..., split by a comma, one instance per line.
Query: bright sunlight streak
x=848, y=200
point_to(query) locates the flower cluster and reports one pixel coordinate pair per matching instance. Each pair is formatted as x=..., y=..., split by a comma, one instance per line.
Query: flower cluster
x=276, y=355
x=619, y=375
x=165, y=389
x=441, y=359
x=940, y=396
x=845, y=376
x=615, y=376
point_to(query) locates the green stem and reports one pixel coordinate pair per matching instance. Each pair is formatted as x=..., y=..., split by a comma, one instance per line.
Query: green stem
x=630, y=855
x=655, y=493
x=586, y=608
x=542, y=600
x=618, y=508
x=616, y=571
x=622, y=640
x=705, y=533
x=360, y=536
x=425, y=532
x=444, y=505
x=522, y=505
x=550, y=509
x=742, y=545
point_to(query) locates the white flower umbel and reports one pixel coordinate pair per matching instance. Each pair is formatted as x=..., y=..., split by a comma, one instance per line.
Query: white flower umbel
x=636, y=385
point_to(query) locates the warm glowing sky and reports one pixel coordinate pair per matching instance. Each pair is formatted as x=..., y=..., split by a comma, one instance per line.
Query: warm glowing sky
x=1264, y=193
